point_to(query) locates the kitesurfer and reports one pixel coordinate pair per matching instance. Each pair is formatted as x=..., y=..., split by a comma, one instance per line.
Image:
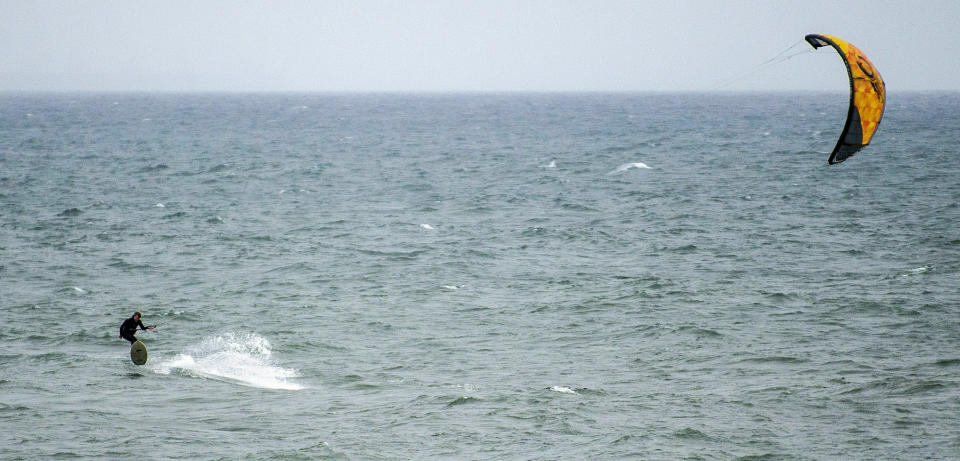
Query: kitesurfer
x=129, y=327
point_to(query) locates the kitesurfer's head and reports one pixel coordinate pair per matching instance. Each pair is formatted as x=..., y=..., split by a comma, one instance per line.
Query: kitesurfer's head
x=136, y=316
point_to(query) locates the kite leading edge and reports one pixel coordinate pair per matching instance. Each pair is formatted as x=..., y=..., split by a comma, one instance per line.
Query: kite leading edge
x=867, y=97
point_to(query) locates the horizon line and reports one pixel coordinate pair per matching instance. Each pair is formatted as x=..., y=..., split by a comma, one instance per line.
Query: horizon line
x=441, y=92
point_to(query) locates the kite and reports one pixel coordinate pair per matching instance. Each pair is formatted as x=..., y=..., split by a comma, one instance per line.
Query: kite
x=867, y=97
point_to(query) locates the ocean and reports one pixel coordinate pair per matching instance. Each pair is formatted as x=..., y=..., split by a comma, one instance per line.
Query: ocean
x=478, y=276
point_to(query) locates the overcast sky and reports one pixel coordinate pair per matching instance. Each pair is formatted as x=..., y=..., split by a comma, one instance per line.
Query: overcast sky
x=482, y=45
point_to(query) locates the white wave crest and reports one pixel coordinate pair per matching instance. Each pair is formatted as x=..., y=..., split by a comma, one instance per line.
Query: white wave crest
x=916, y=271
x=563, y=390
x=630, y=166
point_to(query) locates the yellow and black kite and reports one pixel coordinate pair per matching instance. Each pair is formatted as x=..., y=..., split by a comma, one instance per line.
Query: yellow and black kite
x=867, y=97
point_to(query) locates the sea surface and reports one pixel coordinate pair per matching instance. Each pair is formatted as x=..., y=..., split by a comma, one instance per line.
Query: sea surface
x=478, y=276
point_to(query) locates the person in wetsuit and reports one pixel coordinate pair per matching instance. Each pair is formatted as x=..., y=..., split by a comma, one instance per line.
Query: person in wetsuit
x=129, y=328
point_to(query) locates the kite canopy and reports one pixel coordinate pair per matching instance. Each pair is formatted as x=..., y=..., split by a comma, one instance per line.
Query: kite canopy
x=867, y=97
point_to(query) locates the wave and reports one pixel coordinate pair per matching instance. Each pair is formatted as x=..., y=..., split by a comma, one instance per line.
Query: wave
x=233, y=357
x=900, y=386
x=630, y=166
x=917, y=271
x=775, y=359
x=70, y=212
x=691, y=434
x=74, y=290
x=563, y=390
x=577, y=390
x=462, y=401
x=177, y=215
x=153, y=168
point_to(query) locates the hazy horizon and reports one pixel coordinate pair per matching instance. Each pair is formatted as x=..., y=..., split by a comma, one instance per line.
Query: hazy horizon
x=442, y=92
x=463, y=47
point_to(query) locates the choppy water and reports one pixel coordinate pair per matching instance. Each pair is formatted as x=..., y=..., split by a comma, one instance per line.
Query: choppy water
x=514, y=276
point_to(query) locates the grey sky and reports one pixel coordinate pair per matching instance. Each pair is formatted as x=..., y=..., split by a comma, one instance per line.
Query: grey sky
x=483, y=45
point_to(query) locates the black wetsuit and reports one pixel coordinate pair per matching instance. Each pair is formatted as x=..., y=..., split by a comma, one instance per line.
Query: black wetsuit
x=129, y=329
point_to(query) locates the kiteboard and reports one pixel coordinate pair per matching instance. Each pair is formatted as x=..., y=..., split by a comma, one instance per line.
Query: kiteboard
x=138, y=353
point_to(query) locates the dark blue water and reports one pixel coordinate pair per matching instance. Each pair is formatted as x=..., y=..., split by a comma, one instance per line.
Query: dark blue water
x=503, y=276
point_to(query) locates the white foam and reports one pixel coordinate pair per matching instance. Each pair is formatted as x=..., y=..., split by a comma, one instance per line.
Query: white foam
x=916, y=271
x=159, y=205
x=630, y=166
x=79, y=290
x=238, y=358
x=426, y=226
x=563, y=390
x=552, y=164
